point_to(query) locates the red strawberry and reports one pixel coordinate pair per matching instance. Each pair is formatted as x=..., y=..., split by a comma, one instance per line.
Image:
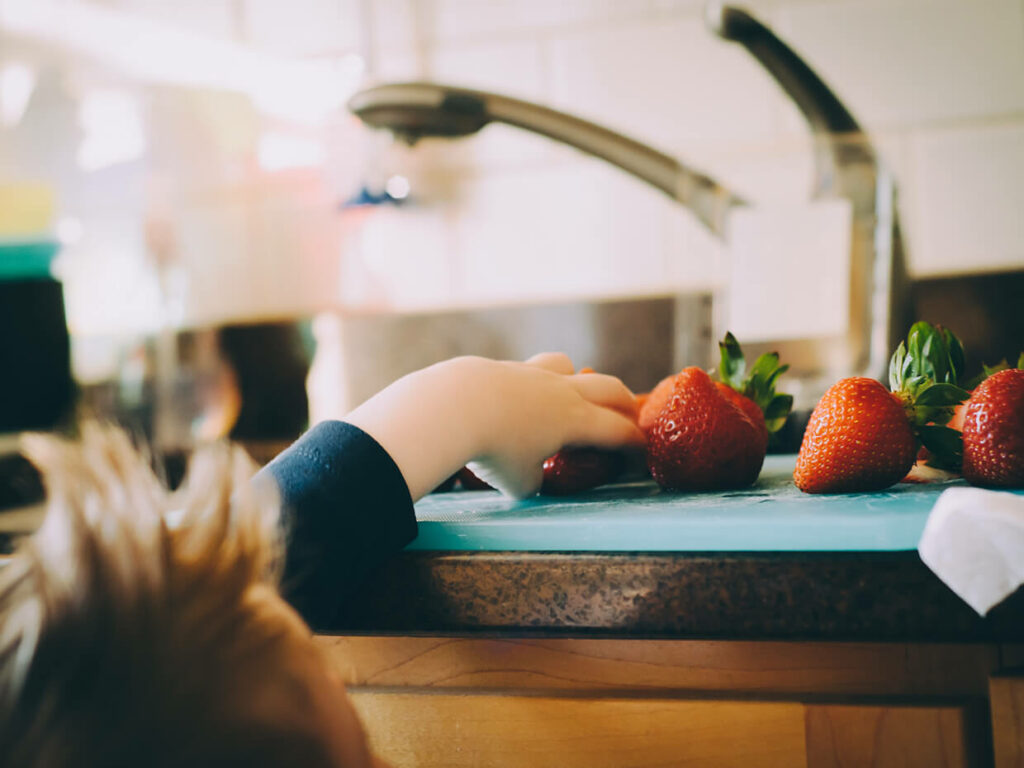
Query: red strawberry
x=573, y=470
x=746, y=405
x=653, y=402
x=861, y=437
x=994, y=431
x=858, y=439
x=701, y=440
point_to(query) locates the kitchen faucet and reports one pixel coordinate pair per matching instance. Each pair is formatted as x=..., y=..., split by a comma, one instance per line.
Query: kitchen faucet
x=846, y=166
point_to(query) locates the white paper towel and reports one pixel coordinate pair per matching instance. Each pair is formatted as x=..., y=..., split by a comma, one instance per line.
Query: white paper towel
x=974, y=541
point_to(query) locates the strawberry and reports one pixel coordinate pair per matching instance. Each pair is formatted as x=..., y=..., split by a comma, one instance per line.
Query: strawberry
x=702, y=440
x=746, y=405
x=861, y=437
x=993, y=434
x=924, y=471
x=653, y=402
x=754, y=392
x=573, y=470
x=858, y=439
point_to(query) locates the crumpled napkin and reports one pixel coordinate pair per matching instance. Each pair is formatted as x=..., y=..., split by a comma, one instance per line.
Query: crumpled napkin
x=974, y=542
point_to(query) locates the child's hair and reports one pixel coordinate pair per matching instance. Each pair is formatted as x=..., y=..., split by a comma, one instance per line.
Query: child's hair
x=136, y=626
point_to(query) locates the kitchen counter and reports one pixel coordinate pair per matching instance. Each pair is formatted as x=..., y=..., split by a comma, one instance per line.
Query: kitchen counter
x=630, y=627
x=630, y=560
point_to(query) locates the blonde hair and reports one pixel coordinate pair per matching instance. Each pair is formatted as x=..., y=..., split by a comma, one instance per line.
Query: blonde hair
x=130, y=623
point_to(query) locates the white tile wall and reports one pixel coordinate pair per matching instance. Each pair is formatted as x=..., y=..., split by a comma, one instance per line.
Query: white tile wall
x=668, y=82
x=513, y=67
x=915, y=61
x=215, y=18
x=575, y=229
x=967, y=208
x=304, y=27
x=506, y=215
x=454, y=20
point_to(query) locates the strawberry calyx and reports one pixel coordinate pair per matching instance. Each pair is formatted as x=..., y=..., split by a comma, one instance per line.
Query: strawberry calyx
x=759, y=384
x=988, y=370
x=923, y=374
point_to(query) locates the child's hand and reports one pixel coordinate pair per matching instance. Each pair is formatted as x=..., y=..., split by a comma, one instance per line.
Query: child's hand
x=504, y=417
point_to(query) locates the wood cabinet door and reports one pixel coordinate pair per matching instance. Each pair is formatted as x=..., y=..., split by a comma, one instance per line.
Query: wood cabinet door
x=430, y=728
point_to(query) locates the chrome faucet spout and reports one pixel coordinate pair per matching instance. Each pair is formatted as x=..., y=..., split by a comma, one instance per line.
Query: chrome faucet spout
x=846, y=165
x=838, y=137
x=417, y=110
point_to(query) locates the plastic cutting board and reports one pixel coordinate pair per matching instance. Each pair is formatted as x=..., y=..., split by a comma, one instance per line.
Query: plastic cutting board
x=639, y=517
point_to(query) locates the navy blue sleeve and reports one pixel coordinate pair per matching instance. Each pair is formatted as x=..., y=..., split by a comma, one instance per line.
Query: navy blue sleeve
x=346, y=507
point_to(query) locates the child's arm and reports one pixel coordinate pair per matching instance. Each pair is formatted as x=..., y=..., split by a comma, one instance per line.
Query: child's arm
x=505, y=417
x=347, y=487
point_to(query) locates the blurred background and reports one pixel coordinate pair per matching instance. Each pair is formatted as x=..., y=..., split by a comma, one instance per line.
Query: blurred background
x=236, y=253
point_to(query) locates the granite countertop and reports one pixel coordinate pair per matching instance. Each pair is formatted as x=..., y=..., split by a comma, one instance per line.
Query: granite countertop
x=726, y=595
x=630, y=560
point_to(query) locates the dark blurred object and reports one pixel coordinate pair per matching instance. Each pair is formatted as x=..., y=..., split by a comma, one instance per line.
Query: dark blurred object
x=985, y=311
x=20, y=483
x=788, y=439
x=270, y=362
x=446, y=485
x=36, y=390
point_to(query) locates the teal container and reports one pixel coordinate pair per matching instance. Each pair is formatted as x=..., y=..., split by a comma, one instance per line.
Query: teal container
x=36, y=389
x=26, y=259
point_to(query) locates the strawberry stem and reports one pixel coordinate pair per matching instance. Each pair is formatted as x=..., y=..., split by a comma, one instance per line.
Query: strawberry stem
x=924, y=373
x=759, y=384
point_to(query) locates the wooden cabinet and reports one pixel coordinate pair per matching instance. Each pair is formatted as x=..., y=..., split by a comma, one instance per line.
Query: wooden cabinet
x=470, y=701
x=1007, y=702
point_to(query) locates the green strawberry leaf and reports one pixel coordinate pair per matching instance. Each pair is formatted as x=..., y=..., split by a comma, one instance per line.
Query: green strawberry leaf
x=932, y=355
x=759, y=384
x=899, y=357
x=775, y=375
x=941, y=396
x=945, y=445
x=733, y=365
x=988, y=370
x=764, y=365
x=1020, y=362
x=777, y=411
x=956, y=355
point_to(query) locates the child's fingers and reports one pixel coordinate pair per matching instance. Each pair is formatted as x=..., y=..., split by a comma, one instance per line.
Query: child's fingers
x=604, y=428
x=607, y=391
x=556, y=362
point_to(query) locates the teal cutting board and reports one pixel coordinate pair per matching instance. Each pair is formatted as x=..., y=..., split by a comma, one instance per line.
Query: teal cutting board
x=639, y=517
